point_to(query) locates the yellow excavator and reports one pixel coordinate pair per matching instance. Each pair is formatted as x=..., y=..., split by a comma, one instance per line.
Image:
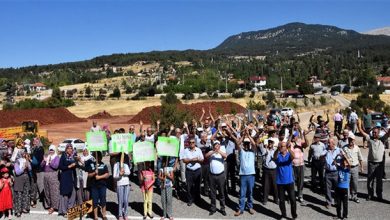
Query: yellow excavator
x=26, y=127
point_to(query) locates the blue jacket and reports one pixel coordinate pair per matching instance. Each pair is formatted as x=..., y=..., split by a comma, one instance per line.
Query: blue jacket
x=68, y=176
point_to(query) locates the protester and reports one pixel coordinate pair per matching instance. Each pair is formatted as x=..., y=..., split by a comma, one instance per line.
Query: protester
x=338, y=122
x=5, y=193
x=121, y=175
x=36, y=176
x=341, y=191
x=51, y=184
x=331, y=175
x=267, y=151
x=352, y=152
x=217, y=176
x=376, y=150
x=316, y=156
x=193, y=157
x=204, y=144
x=166, y=176
x=86, y=159
x=99, y=185
x=22, y=183
x=246, y=147
x=147, y=179
x=67, y=166
x=283, y=158
x=298, y=146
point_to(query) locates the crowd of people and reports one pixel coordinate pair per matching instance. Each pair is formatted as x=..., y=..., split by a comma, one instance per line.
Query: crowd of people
x=215, y=155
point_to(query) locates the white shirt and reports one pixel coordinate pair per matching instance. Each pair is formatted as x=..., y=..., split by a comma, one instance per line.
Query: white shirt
x=188, y=154
x=94, y=129
x=217, y=162
x=149, y=138
x=121, y=180
x=182, y=139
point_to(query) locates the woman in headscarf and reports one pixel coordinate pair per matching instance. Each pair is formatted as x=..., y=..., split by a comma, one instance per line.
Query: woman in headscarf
x=49, y=166
x=36, y=180
x=19, y=146
x=22, y=183
x=85, y=160
x=67, y=180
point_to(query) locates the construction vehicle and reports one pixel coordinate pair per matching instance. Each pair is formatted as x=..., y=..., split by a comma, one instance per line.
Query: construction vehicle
x=27, y=127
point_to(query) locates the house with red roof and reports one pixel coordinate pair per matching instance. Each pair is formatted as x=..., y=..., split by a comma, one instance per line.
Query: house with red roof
x=258, y=81
x=37, y=87
x=385, y=82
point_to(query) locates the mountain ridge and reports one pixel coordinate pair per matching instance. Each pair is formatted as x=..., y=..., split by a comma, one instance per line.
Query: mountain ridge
x=297, y=38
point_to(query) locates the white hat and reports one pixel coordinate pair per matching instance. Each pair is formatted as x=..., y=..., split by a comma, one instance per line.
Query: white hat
x=352, y=136
x=199, y=129
x=247, y=140
x=216, y=142
x=52, y=147
x=223, y=124
x=27, y=141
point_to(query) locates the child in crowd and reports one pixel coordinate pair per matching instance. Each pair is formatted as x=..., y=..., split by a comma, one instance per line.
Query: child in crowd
x=99, y=186
x=341, y=191
x=5, y=193
x=166, y=177
x=121, y=175
x=147, y=179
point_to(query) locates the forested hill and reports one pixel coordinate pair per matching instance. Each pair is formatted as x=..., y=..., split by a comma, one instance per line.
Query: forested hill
x=300, y=38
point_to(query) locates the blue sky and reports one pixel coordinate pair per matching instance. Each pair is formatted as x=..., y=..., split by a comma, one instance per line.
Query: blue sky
x=48, y=32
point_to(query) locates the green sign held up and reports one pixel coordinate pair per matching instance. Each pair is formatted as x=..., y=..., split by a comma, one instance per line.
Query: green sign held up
x=122, y=143
x=168, y=146
x=96, y=141
x=143, y=151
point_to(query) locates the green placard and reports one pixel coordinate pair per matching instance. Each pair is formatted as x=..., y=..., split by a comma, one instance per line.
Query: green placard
x=96, y=141
x=122, y=143
x=143, y=151
x=168, y=146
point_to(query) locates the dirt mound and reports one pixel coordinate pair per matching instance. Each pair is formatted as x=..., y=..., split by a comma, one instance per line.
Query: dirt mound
x=217, y=108
x=101, y=115
x=45, y=116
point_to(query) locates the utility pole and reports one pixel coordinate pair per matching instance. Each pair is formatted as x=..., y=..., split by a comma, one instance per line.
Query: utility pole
x=281, y=83
x=226, y=89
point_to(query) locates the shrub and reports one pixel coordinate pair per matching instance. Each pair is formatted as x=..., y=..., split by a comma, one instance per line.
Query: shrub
x=323, y=100
x=292, y=104
x=188, y=96
x=238, y=94
x=313, y=100
x=252, y=105
x=116, y=93
x=306, y=101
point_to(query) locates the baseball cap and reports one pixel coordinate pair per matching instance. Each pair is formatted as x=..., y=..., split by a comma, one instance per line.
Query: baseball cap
x=223, y=124
x=378, y=124
x=216, y=142
x=317, y=135
x=352, y=136
x=247, y=140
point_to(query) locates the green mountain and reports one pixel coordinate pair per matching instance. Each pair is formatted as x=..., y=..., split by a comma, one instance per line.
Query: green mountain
x=300, y=38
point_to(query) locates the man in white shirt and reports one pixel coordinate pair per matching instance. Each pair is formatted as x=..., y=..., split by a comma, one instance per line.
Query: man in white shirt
x=217, y=177
x=95, y=127
x=193, y=158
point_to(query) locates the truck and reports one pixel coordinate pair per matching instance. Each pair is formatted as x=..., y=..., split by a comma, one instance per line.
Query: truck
x=26, y=127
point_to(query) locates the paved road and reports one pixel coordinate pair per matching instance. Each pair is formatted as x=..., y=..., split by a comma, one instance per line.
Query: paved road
x=343, y=101
x=314, y=210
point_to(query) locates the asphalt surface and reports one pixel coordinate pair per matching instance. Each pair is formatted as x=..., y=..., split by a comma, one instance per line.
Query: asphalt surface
x=315, y=208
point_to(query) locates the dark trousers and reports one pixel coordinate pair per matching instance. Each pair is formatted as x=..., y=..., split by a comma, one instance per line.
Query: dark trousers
x=269, y=182
x=338, y=126
x=231, y=172
x=217, y=182
x=331, y=179
x=375, y=172
x=299, y=174
x=317, y=166
x=289, y=188
x=193, y=178
x=205, y=177
x=342, y=200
